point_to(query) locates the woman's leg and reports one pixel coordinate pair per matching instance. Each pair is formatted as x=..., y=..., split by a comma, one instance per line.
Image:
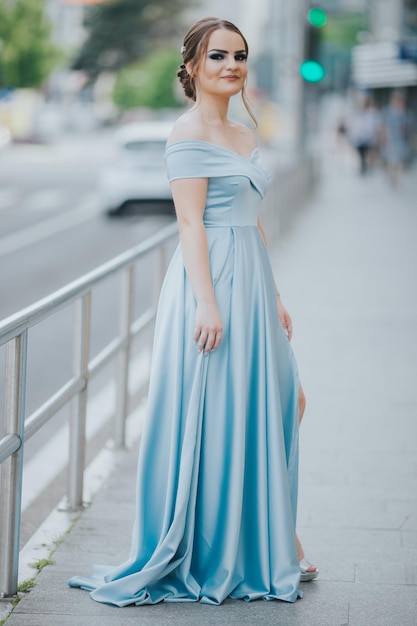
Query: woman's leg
x=301, y=409
x=301, y=403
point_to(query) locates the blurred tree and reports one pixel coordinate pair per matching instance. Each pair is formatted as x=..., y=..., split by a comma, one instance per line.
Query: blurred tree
x=339, y=35
x=27, y=52
x=147, y=83
x=122, y=31
x=342, y=30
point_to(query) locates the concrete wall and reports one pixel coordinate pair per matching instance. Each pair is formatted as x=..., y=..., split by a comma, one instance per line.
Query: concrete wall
x=291, y=187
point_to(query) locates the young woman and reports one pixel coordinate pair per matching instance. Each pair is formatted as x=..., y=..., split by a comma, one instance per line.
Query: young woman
x=217, y=476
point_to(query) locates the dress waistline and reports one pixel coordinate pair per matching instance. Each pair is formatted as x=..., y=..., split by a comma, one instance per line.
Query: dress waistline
x=230, y=226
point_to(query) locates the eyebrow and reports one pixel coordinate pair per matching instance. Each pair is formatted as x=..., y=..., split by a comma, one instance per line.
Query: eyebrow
x=226, y=51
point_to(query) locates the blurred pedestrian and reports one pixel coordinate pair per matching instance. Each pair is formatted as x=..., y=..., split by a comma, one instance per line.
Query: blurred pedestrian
x=217, y=477
x=397, y=131
x=364, y=133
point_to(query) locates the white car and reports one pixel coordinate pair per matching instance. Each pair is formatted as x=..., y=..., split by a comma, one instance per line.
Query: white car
x=138, y=173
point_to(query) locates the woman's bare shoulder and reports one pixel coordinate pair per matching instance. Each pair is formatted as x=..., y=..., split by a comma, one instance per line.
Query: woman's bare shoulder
x=186, y=128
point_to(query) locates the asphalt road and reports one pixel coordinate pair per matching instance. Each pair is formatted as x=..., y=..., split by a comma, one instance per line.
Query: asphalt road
x=52, y=231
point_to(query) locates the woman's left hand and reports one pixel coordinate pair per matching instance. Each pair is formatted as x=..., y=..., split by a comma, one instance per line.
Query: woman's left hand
x=285, y=318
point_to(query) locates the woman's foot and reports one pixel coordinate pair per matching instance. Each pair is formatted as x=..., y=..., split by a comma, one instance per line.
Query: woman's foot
x=308, y=570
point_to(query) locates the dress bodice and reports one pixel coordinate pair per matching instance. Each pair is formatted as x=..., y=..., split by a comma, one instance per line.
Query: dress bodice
x=236, y=184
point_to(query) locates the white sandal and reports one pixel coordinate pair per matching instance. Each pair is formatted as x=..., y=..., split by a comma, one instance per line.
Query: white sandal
x=306, y=576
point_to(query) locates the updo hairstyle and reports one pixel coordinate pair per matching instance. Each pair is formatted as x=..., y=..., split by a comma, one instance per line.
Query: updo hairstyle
x=194, y=49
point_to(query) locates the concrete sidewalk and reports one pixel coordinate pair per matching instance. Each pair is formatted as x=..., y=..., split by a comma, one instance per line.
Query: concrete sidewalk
x=347, y=269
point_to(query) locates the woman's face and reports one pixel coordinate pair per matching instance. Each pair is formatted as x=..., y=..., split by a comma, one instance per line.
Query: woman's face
x=223, y=70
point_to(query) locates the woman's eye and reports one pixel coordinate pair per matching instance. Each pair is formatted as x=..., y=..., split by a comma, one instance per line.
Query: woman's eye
x=218, y=56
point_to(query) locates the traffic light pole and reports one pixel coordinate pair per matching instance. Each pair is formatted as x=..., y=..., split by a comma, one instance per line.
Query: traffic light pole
x=311, y=72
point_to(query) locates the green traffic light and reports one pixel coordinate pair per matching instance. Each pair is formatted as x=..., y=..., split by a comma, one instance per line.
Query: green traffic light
x=317, y=17
x=312, y=71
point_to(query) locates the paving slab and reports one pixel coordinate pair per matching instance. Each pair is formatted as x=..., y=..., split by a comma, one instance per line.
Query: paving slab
x=346, y=268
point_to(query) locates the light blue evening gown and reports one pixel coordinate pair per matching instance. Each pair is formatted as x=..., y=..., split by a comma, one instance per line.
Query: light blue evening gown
x=217, y=475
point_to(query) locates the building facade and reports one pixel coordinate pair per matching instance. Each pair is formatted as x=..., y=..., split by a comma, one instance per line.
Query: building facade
x=388, y=59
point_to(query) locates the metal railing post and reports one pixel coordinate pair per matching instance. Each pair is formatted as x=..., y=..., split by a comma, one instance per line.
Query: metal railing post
x=14, y=332
x=12, y=468
x=82, y=318
x=122, y=380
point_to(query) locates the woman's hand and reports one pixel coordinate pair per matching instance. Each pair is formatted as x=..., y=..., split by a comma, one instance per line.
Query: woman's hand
x=285, y=318
x=208, y=327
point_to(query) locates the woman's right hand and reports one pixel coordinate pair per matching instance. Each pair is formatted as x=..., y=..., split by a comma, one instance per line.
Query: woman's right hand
x=208, y=327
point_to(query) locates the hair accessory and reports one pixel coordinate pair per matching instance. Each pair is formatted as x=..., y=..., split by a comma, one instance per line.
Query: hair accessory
x=182, y=49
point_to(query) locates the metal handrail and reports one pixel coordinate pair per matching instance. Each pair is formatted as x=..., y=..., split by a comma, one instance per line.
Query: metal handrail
x=14, y=333
x=15, y=324
x=8, y=445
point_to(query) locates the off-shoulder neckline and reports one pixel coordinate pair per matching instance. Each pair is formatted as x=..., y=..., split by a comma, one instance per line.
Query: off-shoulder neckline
x=215, y=145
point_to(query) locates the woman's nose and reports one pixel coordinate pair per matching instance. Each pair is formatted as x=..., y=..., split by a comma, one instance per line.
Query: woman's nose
x=231, y=61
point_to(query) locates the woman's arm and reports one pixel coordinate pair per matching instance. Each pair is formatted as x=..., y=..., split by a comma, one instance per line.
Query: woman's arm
x=283, y=314
x=190, y=199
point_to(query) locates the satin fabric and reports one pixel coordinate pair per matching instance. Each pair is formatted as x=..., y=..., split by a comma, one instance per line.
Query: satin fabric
x=217, y=472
